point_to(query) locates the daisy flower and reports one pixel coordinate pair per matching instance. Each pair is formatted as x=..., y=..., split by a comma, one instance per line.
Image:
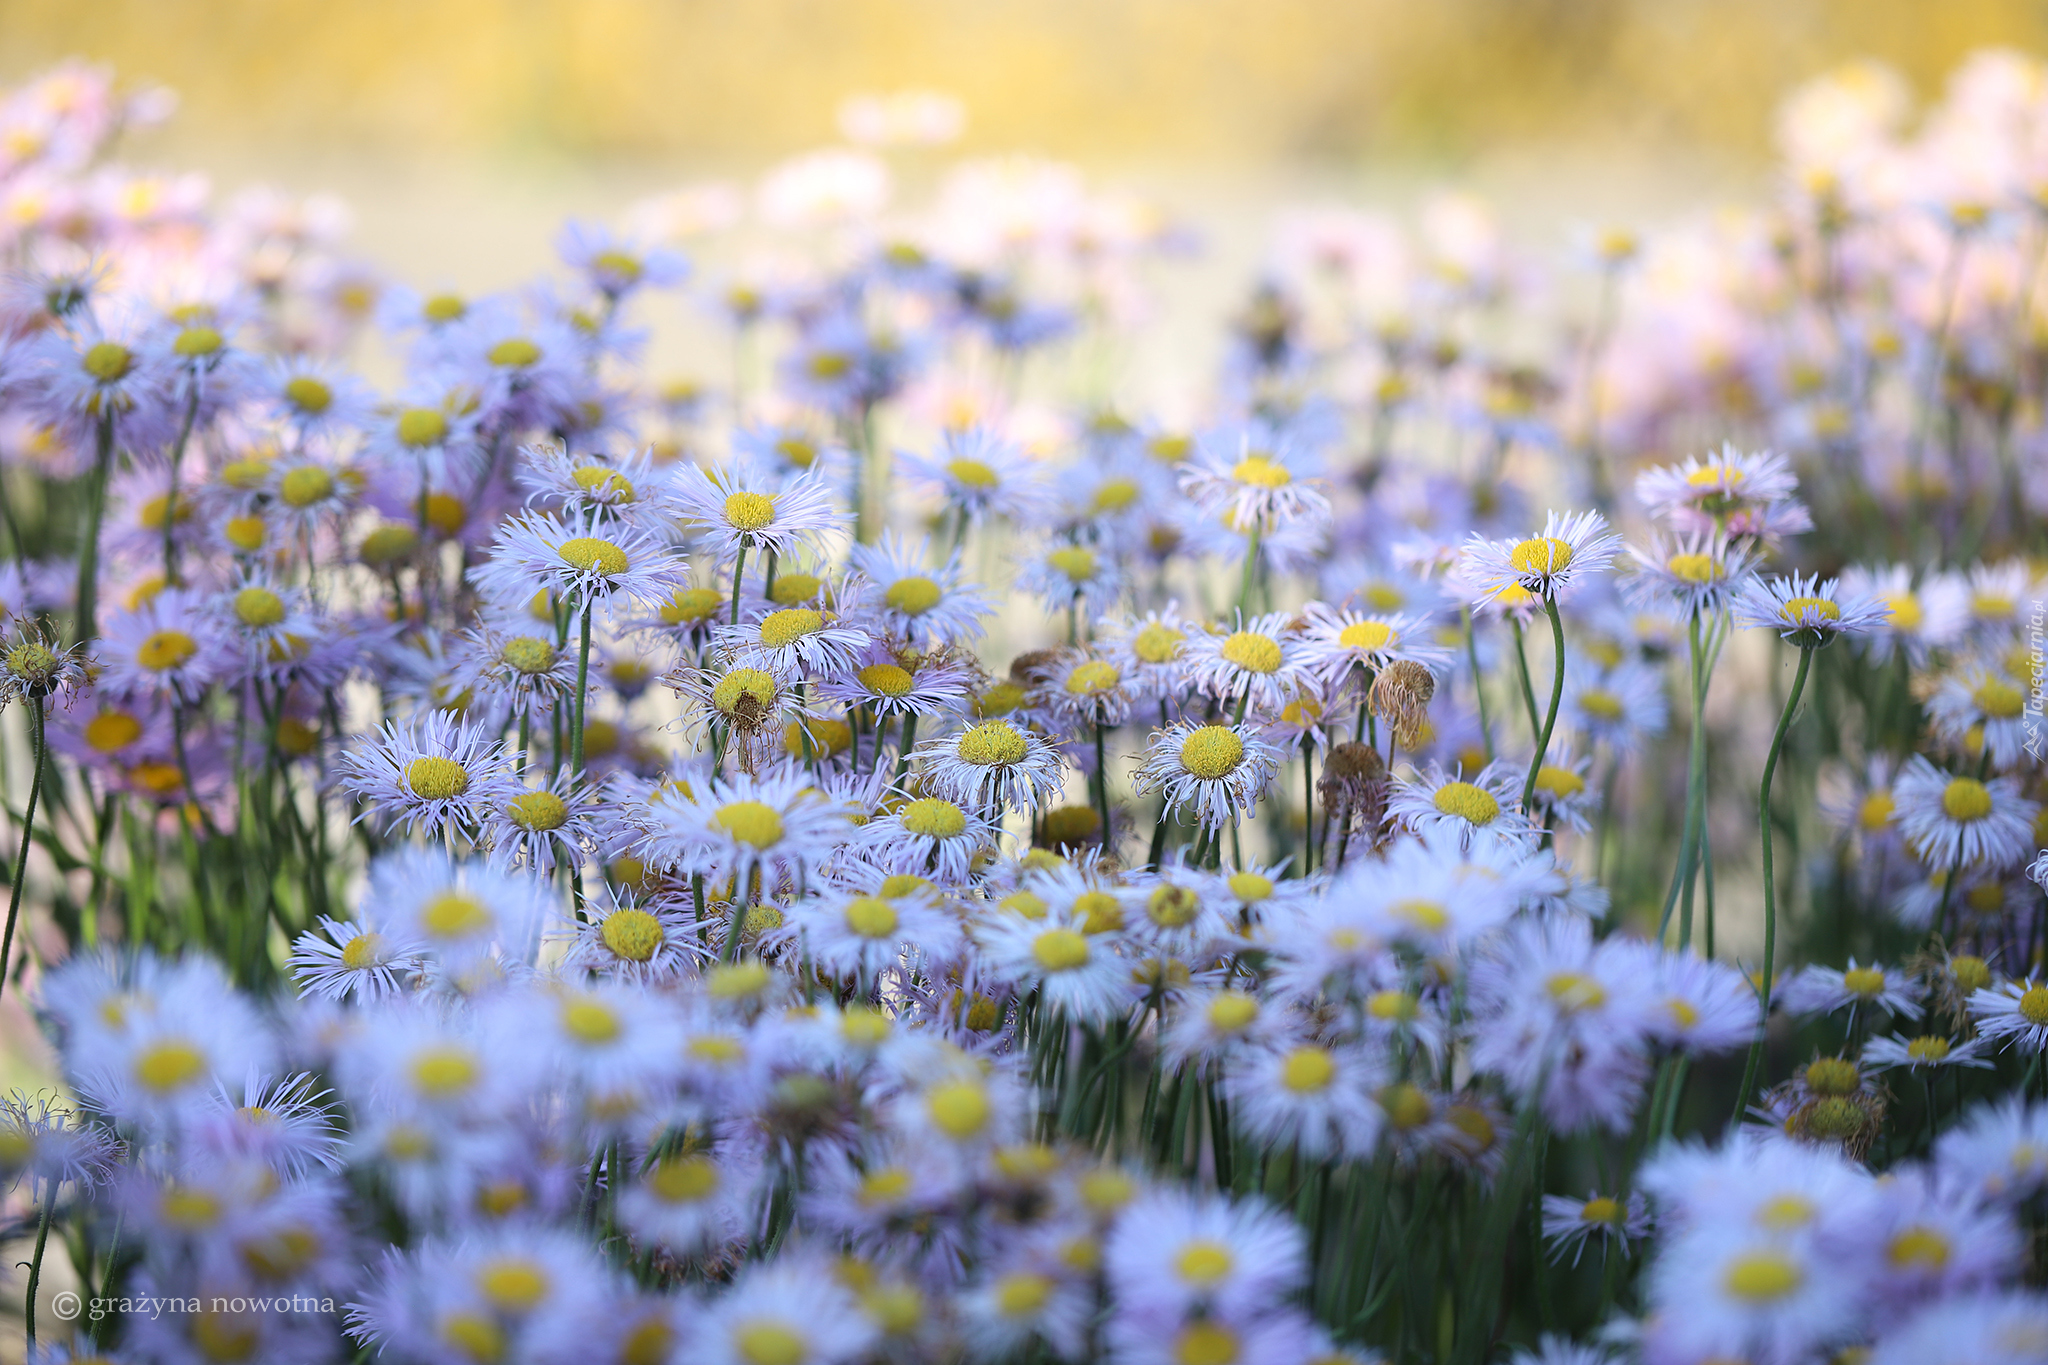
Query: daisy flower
x=741, y=506
x=1996, y=594
x=1257, y=666
x=794, y=642
x=1564, y=798
x=1487, y=805
x=1619, y=706
x=2015, y=1011
x=1569, y=550
x=161, y=1047
x=499, y=662
x=1066, y=576
x=1949, y=818
x=1981, y=708
x=890, y=682
x=991, y=764
x=1917, y=621
x=1077, y=973
x=1214, y=773
x=1708, y=1006
x=1999, y=1151
x=977, y=475
x=340, y=961
x=1569, y=1224
x=776, y=825
x=1216, y=1026
x=168, y=647
x=1084, y=690
x=864, y=933
x=1337, y=644
x=1150, y=651
x=1316, y=1098
x=1807, y=611
x=1926, y=1052
x=1695, y=576
x=625, y=938
x=1254, y=478
x=1173, y=1252
x=265, y=622
x=690, y=1201
x=1006, y=1313
x=894, y=593
x=1986, y=1324
x=436, y=774
x=1823, y=990
x=578, y=562
x=1704, y=495
x=593, y=489
x=927, y=836
x=459, y=916
x=1743, y=1294
x=554, y=824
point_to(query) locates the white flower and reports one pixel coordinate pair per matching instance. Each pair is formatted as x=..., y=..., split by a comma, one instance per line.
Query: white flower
x=1805, y=610
x=1314, y=1097
x=1568, y=550
x=1948, y=818
x=744, y=506
x=1213, y=773
x=579, y=561
x=435, y=773
x=1172, y=1252
x=1082, y=975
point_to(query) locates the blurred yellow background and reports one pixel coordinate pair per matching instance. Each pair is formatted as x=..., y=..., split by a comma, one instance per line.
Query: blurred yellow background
x=1206, y=80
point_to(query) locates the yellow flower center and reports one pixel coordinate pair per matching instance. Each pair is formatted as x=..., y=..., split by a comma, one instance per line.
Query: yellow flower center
x=632, y=934
x=167, y=1065
x=1367, y=635
x=1696, y=568
x=684, y=1179
x=1393, y=1007
x=1060, y=950
x=992, y=744
x=1541, y=557
x=1171, y=907
x=786, y=627
x=422, y=427
x=475, y=1336
x=1076, y=563
x=1558, y=783
x=1250, y=887
x=258, y=607
x=247, y=534
x=436, y=779
x=1252, y=652
x=1991, y=606
x=1762, y=1277
x=1157, y=644
x=1475, y=805
x=538, y=811
x=442, y=1072
x=960, y=1109
x=1026, y=903
x=309, y=395
x=1233, y=1012
x=587, y=554
x=1971, y=973
x=762, y=1342
x=1965, y=799
x=1206, y=1342
x=752, y=684
x=1904, y=612
x=515, y=353
x=1714, y=476
x=913, y=596
x=1928, y=1048
x=887, y=680
x=972, y=474
x=1203, y=1262
x=1101, y=912
x=690, y=604
x=1261, y=471
x=1021, y=1294
x=1308, y=1071
x=1918, y=1249
x=595, y=478
x=304, y=486
x=1798, y=610
x=364, y=950
x=1876, y=811
x=871, y=917
x=1603, y=1210
x=111, y=730
x=1114, y=495
x=749, y=512
x=455, y=915
x=1431, y=917
x=165, y=650
x=2033, y=1005
x=753, y=823
x=932, y=818
x=1575, y=991
x=1092, y=679
x=1998, y=699
x=1211, y=752
x=108, y=361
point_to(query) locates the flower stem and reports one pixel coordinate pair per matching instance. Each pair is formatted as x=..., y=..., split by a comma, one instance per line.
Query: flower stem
x=739, y=567
x=1104, y=845
x=1251, y=564
x=89, y=547
x=28, y=824
x=171, y=493
x=1478, y=684
x=1695, y=798
x=1556, y=696
x=35, y=1264
x=582, y=694
x=1756, y=1047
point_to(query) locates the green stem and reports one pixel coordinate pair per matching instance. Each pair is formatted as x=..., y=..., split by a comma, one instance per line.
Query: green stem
x=171, y=495
x=35, y=1265
x=909, y=739
x=1104, y=846
x=1756, y=1047
x=1695, y=796
x=89, y=547
x=1522, y=672
x=28, y=824
x=1556, y=696
x=1478, y=685
x=739, y=567
x=1251, y=564
x=582, y=686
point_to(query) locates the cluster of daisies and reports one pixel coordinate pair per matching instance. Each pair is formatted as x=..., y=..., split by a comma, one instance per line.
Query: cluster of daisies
x=876, y=861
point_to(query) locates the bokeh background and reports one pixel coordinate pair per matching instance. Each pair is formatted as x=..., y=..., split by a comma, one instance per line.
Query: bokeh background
x=461, y=131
